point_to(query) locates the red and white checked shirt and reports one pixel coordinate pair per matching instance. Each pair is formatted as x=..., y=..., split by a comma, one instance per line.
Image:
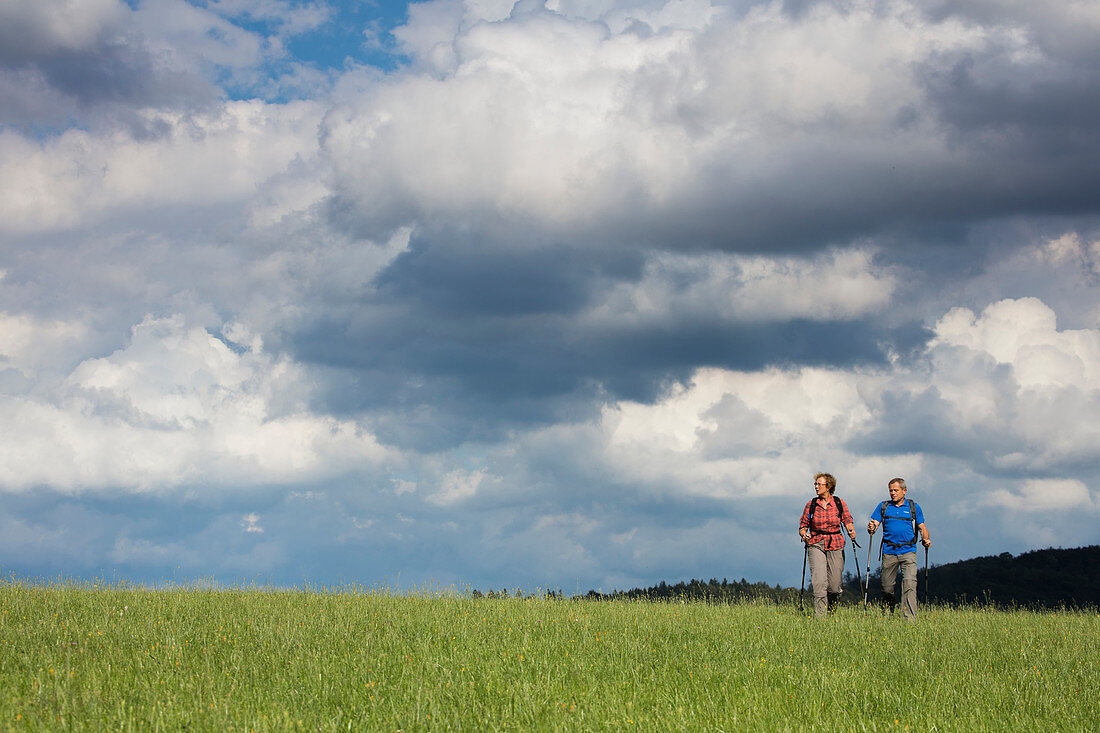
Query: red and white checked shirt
x=827, y=518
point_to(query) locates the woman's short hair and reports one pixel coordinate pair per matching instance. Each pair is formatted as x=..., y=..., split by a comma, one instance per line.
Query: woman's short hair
x=830, y=481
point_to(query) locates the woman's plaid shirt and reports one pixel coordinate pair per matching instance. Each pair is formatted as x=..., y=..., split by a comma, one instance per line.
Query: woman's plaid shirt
x=827, y=518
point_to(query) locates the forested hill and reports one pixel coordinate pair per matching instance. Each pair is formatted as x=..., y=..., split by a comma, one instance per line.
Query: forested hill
x=1044, y=578
x=712, y=590
x=1040, y=578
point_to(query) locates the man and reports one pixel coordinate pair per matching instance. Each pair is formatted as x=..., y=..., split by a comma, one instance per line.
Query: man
x=902, y=520
x=819, y=529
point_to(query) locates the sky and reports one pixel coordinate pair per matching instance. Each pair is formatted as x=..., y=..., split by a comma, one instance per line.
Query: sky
x=562, y=294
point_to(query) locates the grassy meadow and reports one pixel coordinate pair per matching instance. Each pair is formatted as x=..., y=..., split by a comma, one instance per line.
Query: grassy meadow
x=118, y=658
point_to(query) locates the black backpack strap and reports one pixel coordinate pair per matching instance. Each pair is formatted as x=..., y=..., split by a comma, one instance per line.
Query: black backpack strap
x=882, y=544
x=813, y=507
x=912, y=516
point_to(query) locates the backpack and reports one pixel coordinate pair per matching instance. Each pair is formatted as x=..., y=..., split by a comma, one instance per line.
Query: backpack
x=813, y=506
x=912, y=515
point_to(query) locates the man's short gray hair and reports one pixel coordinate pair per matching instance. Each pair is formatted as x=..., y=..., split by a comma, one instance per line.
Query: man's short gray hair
x=899, y=481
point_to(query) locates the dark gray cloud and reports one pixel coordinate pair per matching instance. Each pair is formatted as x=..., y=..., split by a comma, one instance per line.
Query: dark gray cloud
x=476, y=278
x=445, y=368
x=87, y=63
x=115, y=72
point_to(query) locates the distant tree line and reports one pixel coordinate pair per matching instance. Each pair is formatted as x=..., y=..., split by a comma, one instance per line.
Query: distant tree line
x=694, y=590
x=702, y=590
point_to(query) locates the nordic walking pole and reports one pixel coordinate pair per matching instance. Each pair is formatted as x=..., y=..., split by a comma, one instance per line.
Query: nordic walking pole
x=867, y=582
x=926, y=575
x=802, y=588
x=855, y=559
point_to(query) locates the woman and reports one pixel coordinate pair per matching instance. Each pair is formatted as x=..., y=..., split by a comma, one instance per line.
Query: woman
x=819, y=528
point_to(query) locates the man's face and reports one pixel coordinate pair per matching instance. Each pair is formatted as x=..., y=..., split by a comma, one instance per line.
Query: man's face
x=897, y=493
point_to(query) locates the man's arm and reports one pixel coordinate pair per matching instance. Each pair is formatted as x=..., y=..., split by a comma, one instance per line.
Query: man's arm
x=924, y=538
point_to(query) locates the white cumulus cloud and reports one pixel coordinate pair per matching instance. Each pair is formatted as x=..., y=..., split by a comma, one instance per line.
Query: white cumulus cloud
x=81, y=177
x=177, y=406
x=1023, y=333
x=575, y=117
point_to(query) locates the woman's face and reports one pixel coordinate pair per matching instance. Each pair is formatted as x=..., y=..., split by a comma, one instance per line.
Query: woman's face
x=821, y=487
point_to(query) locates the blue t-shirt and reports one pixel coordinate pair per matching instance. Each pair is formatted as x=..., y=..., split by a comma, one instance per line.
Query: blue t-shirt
x=897, y=526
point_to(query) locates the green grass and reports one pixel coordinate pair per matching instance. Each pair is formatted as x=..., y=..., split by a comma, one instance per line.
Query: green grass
x=79, y=657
